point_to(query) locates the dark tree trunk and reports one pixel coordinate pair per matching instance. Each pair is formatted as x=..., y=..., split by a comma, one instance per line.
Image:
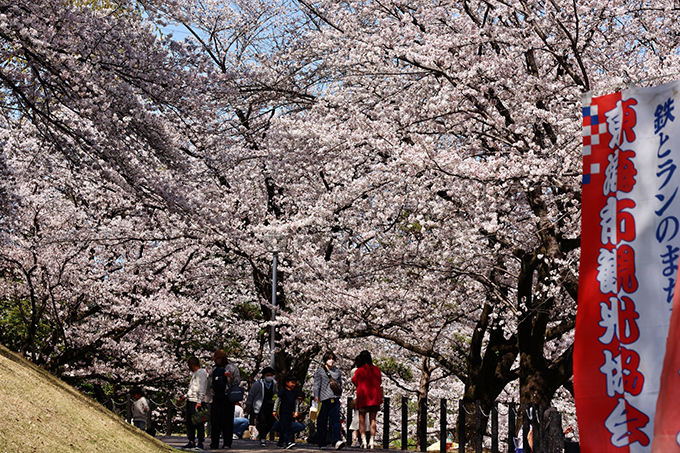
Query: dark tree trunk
x=423, y=390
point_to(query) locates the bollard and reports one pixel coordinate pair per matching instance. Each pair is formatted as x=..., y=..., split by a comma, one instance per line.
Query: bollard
x=494, y=427
x=442, y=427
x=423, y=424
x=128, y=410
x=512, y=416
x=350, y=415
x=479, y=435
x=461, y=426
x=148, y=416
x=386, y=423
x=404, y=423
x=168, y=430
x=525, y=428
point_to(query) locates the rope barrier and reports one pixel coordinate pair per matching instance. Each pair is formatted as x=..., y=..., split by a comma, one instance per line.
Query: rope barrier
x=468, y=412
x=501, y=413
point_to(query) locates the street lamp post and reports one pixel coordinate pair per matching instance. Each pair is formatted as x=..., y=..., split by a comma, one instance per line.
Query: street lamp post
x=275, y=243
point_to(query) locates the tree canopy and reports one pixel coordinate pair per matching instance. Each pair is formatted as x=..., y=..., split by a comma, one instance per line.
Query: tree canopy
x=422, y=157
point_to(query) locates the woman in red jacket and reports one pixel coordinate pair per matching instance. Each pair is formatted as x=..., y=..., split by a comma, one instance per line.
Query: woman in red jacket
x=368, y=380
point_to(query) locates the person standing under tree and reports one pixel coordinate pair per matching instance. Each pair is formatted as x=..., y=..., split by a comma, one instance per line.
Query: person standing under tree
x=140, y=408
x=260, y=403
x=327, y=391
x=195, y=396
x=223, y=376
x=286, y=409
x=368, y=380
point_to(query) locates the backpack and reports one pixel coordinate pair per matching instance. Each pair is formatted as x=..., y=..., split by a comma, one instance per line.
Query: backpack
x=219, y=381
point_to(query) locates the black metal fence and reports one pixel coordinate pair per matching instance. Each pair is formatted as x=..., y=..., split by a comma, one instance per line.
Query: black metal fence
x=533, y=419
x=545, y=424
x=164, y=420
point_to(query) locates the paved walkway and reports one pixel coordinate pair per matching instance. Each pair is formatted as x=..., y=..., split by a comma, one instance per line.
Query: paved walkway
x=241, y=445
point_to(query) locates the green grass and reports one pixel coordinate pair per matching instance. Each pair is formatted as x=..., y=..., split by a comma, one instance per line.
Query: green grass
x=40, y=413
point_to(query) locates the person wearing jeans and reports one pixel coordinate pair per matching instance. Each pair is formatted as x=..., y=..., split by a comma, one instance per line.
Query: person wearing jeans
x=329, y=400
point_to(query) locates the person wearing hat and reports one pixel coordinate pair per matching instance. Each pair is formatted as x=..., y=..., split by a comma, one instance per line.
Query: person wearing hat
x=223, y=376
x=260, y=403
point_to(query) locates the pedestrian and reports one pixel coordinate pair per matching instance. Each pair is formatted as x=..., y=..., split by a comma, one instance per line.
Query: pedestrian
x=286, y=409
x=260, y=403
x=140, y=408
x=327, y=391
x=240, y=421
x=195, y=397
x=368, y=380
x=296, y=426
x=223, y=376
x=354, y=426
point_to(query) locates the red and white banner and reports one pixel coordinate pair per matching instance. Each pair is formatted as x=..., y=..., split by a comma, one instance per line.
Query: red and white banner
x=630, y=242
x=667, y=417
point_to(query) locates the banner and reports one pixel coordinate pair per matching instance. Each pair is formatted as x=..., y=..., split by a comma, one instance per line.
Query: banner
x=630, y=244
x=667, y=417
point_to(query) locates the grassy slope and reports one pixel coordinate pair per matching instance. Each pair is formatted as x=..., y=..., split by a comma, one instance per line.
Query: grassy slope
x=40, y=413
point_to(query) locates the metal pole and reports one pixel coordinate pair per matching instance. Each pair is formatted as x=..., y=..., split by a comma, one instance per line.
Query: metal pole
x=512, y=418
x=494, y=427
x=479, y=437
x=461, y=426
x=272, y=346
x=423, y=424
x=443, y=438
x=404, y=423
x=386, y=423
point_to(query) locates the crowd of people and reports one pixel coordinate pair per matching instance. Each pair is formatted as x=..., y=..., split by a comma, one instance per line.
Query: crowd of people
x=269, y=407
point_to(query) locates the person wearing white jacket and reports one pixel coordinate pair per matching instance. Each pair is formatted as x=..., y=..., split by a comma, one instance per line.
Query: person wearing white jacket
x=195, y=396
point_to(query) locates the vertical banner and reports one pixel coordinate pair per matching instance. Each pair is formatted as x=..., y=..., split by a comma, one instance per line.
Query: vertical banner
x=667, y=417
x=630, y=244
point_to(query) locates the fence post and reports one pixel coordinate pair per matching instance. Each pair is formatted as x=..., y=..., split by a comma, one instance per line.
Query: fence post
x=512, y=417
x=404, y=423
x=386, y=423
x=350, y=415
x=479, y=435
x=168, y=430
x=494, y=427
x=423, y=424
x=128, y=410
x=540, y=428
x=148, y=416
x=442, y=426
x=461, y=426
x=525, y=426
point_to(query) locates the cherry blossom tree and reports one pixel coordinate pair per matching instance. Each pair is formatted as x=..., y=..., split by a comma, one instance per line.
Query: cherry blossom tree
x=445, y=148
x=422, y=157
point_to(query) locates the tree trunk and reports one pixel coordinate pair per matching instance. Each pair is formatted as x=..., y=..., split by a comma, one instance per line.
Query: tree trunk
x=423, y=390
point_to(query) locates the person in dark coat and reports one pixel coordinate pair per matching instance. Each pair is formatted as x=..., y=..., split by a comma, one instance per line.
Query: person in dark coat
x=222, y=411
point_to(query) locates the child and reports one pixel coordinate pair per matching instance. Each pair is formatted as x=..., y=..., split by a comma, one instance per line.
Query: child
x=195, y=396
x=296, y=426
x=140, y=408
x=286, y=409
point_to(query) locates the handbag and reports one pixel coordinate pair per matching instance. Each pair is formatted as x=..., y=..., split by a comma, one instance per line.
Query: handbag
x=201, y=416
x=334, y=385
x=235, y=393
